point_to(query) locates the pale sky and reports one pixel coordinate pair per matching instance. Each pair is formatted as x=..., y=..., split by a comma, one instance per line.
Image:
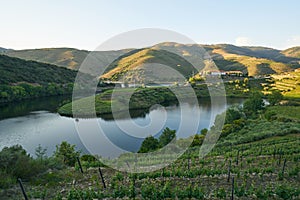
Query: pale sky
x=85, y=24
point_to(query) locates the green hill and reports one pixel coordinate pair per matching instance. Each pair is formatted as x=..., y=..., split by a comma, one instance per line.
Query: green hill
x=15, y=70
x=21, y=79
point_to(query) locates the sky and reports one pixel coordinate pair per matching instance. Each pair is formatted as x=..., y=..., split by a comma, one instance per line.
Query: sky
x=85, y=24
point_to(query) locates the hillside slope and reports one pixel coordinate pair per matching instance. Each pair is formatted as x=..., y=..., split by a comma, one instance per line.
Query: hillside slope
x=149, y=65
x=252, y=65
x=292, y=52
x=251, y=60
x=64, y=57
x=15, y=70
x=3, y=50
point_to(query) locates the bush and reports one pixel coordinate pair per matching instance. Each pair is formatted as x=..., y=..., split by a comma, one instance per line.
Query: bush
x=149, y=144
x=6, y=180
x=253, y=104
x=166, y=137
x=67, y=153
x=16, y=162
x=275, y=97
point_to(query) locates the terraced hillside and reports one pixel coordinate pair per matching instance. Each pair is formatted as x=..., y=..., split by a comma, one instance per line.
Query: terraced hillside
x=288, y=84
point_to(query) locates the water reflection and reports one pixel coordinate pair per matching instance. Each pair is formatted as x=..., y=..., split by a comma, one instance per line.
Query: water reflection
x=35, y=122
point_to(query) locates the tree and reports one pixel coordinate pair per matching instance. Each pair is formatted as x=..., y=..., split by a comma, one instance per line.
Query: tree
x=198, y=139
x=253, y=104
x=275, y=97
x=233, y=113
x=16, y=162
x=166, y=137
x=67, y=153
x=204, y=131
x=149, y=144
x=40, y=153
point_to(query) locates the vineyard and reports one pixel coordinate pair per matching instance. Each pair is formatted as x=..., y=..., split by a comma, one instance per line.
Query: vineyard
x=256, y=157
x=268, y=169
x=288, y=84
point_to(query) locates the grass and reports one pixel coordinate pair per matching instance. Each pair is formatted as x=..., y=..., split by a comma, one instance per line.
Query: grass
x=287, y=112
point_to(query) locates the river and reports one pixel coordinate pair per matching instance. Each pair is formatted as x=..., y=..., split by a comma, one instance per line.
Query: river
x=33, y=122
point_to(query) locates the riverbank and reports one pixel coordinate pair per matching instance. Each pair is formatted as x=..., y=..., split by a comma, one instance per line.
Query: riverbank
x=144, y=98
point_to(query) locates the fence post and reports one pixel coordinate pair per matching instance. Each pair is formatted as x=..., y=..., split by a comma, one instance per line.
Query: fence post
x=22, y=188
x=228, y=176
x=280, y=155
x=79, y=163
x=101, y=175
x=260, y=152
x=232, y=189
x=283, y=168
x=127, y=164
x=237, y=157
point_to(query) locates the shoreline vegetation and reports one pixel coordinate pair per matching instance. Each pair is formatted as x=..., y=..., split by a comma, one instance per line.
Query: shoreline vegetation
x=145, y=98
x=258, y=146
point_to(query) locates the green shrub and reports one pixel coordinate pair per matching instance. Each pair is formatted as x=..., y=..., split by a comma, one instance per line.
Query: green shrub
x=16, y=162
x=67, y=153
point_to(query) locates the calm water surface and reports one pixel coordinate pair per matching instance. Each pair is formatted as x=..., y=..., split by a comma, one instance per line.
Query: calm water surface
x=35, y=122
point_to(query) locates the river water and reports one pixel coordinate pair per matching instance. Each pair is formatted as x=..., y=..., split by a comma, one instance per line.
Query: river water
x=33, y=122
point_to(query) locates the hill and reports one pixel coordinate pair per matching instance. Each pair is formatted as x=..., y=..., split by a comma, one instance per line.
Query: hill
x=15, y=70
x=292, y=52
x=143, y=66
x=288, y=84
x=2, y=50
x=64, y=57
x=254, y=66
x=253, y=61
x=21, y=79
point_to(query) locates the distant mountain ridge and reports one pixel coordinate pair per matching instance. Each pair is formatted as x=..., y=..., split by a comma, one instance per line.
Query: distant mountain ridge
x=133, y=62
x=2, y=50
x=64, y=57
x=292, y=52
